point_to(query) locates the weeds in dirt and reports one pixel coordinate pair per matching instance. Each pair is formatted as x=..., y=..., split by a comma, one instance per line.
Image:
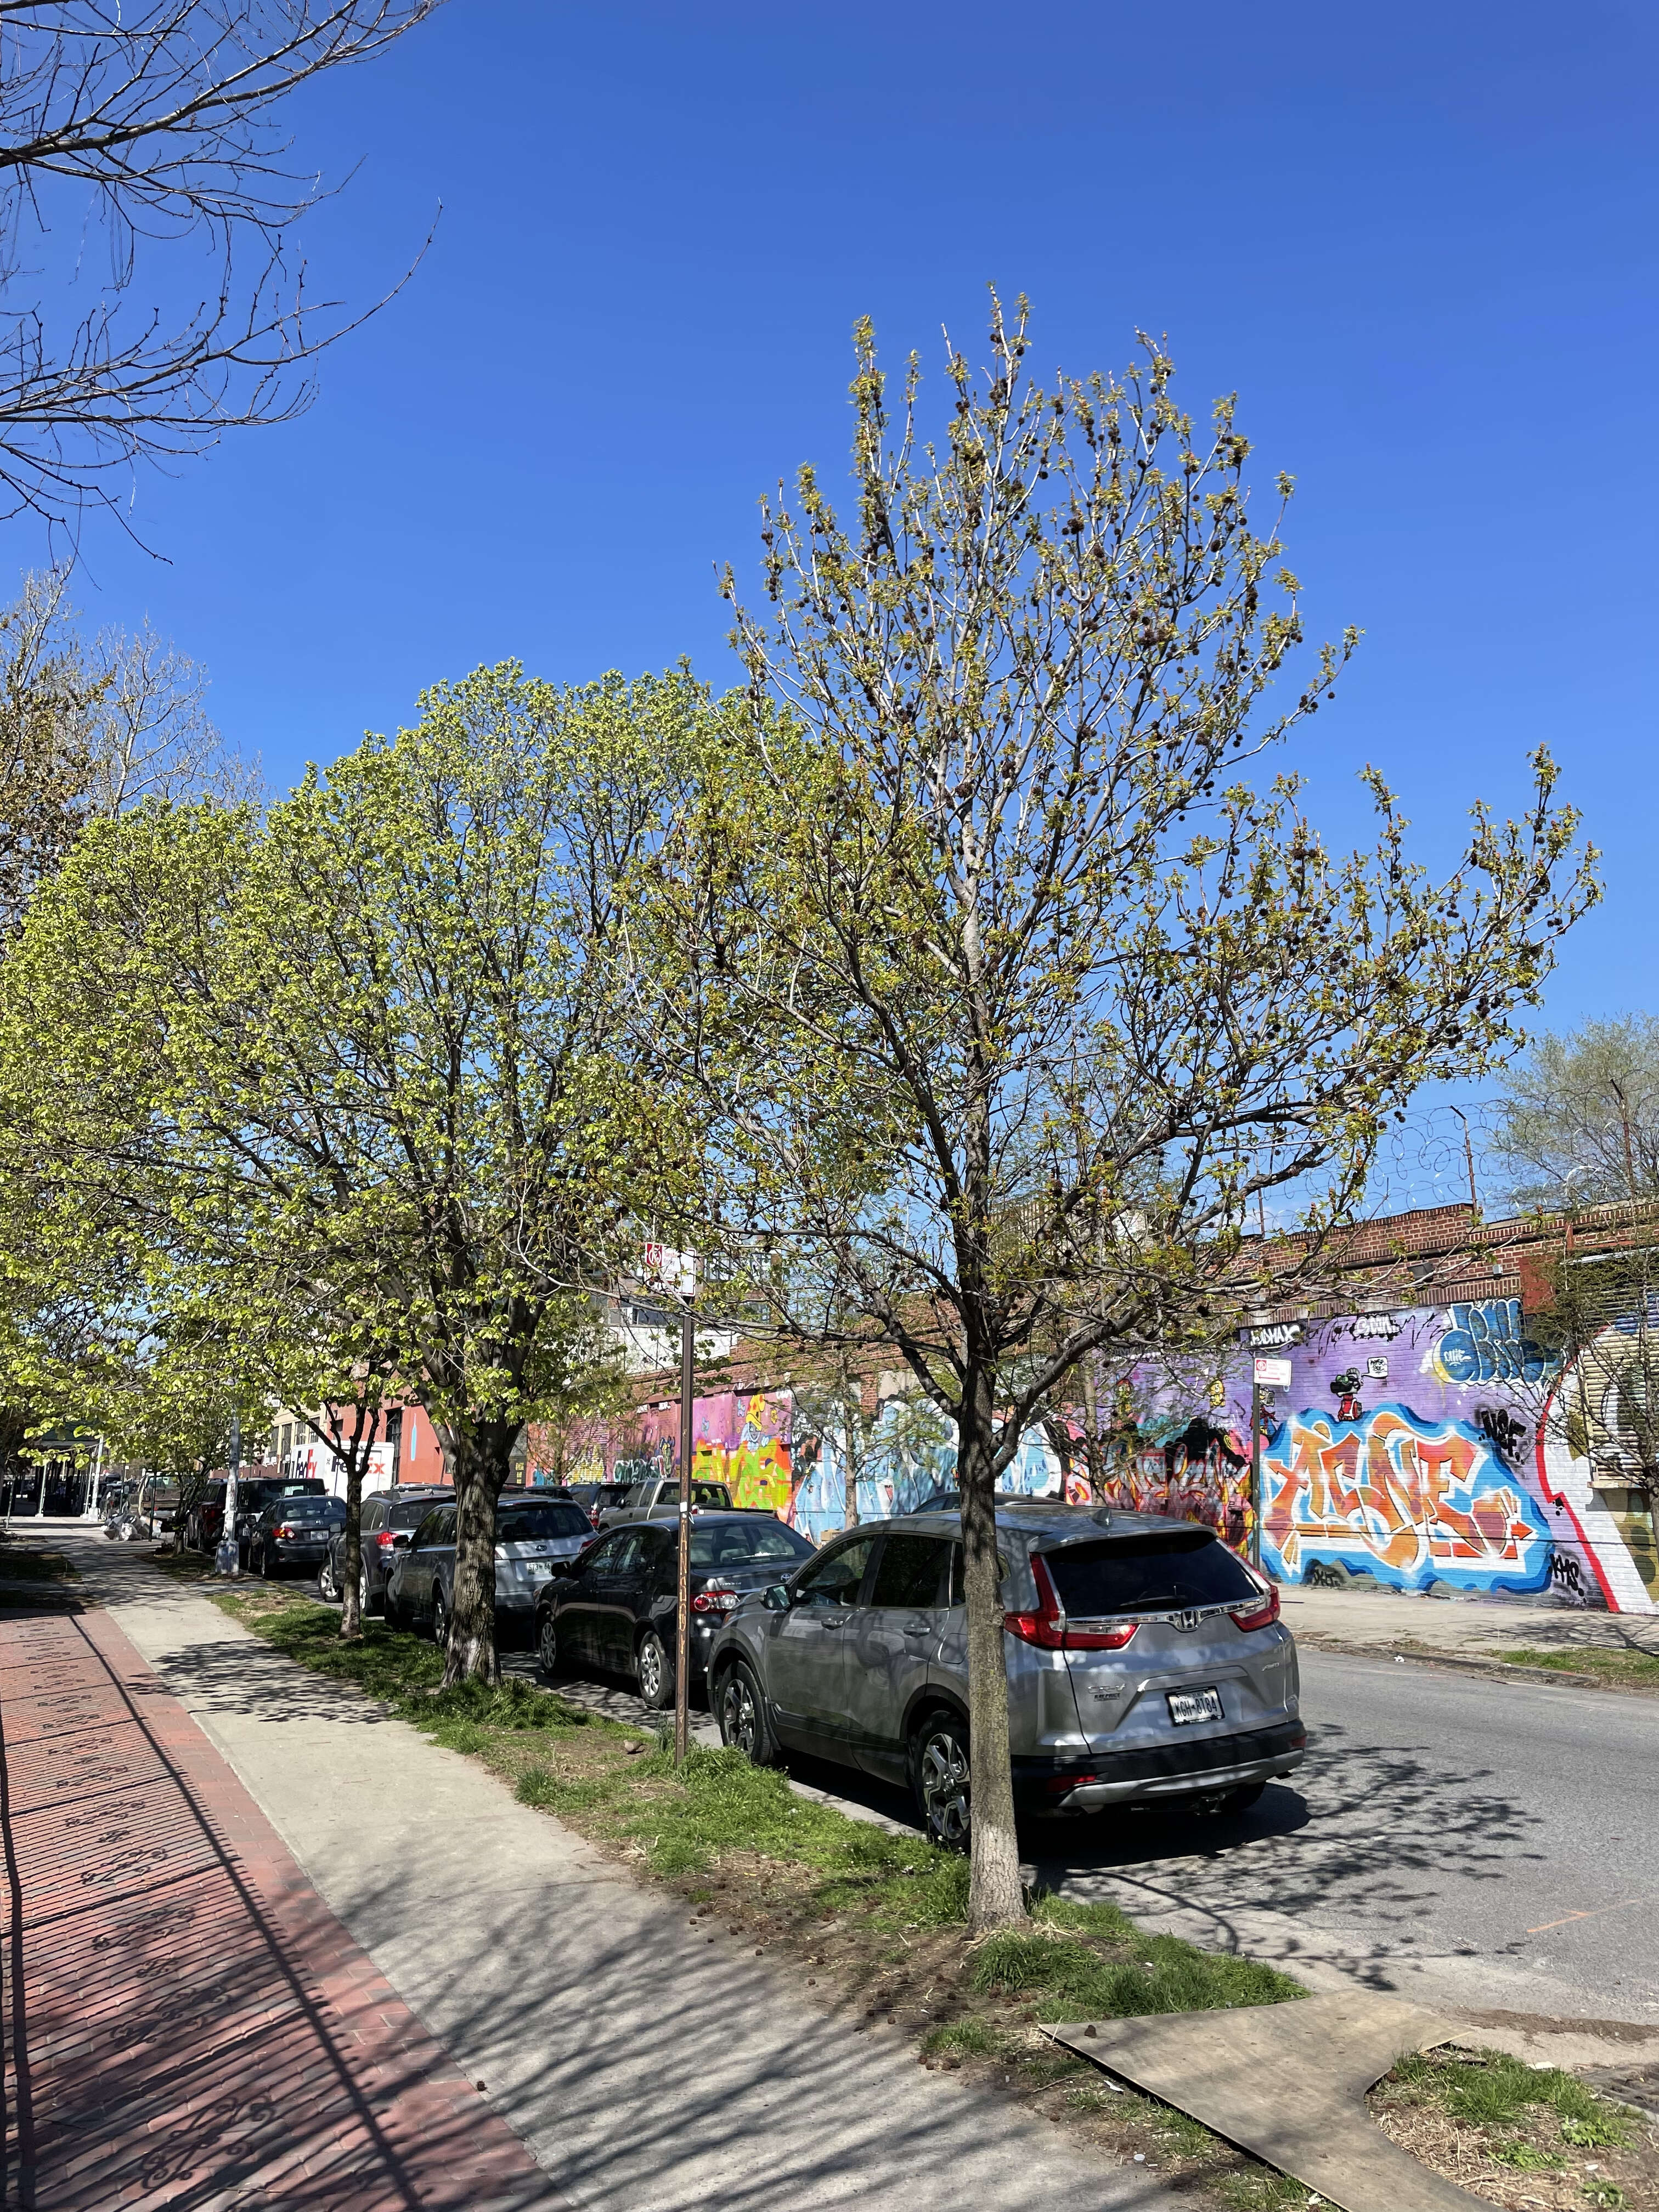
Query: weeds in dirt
x=1629, y=1669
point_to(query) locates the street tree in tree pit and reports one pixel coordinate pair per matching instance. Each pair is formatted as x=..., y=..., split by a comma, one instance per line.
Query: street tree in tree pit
x=1007, y=989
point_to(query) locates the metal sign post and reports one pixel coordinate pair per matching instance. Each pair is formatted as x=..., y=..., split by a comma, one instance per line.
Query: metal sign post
x=677, y=1272
x=1272, y=1375
x=683, y=1602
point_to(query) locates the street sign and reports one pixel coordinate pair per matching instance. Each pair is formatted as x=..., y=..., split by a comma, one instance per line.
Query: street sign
x=1271, y=1374
x=665, y=1269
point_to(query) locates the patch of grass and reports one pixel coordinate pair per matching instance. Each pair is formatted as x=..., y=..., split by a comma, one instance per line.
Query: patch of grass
x=1073, y=1978
x=1605, y=2129
x=1606, y=2194
x=406, y=1671
x=1496, y=2091
x=1259, y=2189
x=19, y=1564
x=1632, y=1670
x=1526, y=2157
x=555, y=1793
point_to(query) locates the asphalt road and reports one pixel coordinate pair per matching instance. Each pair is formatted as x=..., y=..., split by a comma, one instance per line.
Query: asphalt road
x=1491, y=1845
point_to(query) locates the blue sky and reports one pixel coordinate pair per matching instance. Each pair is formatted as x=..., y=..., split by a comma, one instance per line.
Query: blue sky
x=1418, y=241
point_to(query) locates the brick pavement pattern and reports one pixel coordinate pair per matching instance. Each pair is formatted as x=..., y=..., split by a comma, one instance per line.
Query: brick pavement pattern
x=185, y=2022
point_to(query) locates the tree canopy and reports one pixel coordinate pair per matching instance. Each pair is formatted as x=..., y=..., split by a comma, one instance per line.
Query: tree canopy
x=1010, y=990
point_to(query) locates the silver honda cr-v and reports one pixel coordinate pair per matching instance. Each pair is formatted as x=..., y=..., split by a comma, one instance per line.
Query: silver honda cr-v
x=1145, y=1660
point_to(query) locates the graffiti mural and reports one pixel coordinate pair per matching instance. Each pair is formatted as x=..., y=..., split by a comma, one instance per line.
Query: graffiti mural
x=1410, y=1502
x=740, y=1439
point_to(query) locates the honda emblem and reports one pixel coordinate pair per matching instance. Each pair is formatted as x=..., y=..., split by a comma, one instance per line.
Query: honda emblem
x=1185, y=1619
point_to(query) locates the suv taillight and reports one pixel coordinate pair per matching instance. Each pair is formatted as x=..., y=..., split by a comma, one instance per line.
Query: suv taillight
x=1047, y=1628
x=1262, y=1614
x=716, y=1597
x=286, y=1528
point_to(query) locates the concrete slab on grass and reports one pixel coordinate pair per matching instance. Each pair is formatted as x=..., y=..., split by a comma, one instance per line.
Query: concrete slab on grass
x=1287, y=2083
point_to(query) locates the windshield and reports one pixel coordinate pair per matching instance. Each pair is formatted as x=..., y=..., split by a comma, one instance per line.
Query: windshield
x=533, y=1524
x=1162, y=1571
x=736, y=1543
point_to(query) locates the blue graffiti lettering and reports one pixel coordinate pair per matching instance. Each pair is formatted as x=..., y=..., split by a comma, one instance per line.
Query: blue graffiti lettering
x=1488, y=1343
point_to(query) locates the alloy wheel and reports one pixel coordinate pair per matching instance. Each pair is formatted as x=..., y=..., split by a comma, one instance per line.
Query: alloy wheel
x=739, y=1721
x=547, y=1647
x=945, y=1787
x=652, y=1669
x=363, y=1589
x=440, y=1621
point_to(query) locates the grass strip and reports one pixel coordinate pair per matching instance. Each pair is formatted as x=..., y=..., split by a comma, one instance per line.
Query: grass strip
x=1627, y=1670
x=25, y=1565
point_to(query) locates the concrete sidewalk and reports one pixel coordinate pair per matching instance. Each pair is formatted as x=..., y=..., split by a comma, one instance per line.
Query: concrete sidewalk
x=647, y=2067
x=1381, y=1620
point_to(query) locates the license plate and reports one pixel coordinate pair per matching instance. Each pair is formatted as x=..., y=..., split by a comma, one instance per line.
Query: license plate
x=1187, y=1706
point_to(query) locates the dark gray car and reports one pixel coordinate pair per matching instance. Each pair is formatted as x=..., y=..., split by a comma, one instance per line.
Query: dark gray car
x=1143, y=1660
x=536, y=1537
x=390, y=1518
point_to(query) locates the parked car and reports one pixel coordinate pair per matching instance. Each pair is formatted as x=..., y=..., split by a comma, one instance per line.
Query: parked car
x=657, y=1493
x=536, y=1538
x=205, y=1520
x=295, y=1530
x=389, y=1519
x=617, y=1614
x=1145, y=1660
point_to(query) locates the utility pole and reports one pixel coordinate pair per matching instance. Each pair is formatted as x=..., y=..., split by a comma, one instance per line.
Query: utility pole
x=1617, y=1091
x=1468, y=1160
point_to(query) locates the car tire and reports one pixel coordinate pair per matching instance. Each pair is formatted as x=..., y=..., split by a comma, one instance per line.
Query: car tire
x=549, y=1656
x=256, y=1567
x=365, y=1602
x=327, y=1588
x=940, y=1779
x=654, y=1671
x=745, y=1724
x=440, y=1619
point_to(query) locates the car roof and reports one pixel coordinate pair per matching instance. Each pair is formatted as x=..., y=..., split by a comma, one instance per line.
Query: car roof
x=662, y=1516
x=1037, y=1518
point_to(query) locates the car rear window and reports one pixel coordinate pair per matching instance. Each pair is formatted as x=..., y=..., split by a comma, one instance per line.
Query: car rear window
x=309, y=1509
x=736, y=1543
x=536, y=1524
x=613, y=1493
x=1159, y=1569
x=409, y=1513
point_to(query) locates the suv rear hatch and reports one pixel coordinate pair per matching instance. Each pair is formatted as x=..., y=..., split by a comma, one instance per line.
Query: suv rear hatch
x=1161, y=1632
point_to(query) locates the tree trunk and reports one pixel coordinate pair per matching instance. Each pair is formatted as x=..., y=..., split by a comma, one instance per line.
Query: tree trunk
x=479, y=1458
x=996, y=1898
x=351, y=1610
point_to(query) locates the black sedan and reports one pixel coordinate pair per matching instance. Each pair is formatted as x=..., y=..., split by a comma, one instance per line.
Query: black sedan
x=616, y=1614
x=294, y=1532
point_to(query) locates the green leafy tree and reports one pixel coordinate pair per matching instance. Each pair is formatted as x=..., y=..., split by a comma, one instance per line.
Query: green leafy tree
x=1578, y=1117
x=1008, y=991
x=376, y=1041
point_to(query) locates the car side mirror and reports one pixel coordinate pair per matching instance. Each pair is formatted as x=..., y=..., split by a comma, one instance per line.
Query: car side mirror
x=400, y=1540
x=776, y=1598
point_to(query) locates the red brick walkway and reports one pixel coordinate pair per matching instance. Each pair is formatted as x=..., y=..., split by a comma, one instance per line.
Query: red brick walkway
x=184, y=2023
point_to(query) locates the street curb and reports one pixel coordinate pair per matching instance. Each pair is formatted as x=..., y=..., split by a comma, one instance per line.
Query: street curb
x=1495, y=1668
